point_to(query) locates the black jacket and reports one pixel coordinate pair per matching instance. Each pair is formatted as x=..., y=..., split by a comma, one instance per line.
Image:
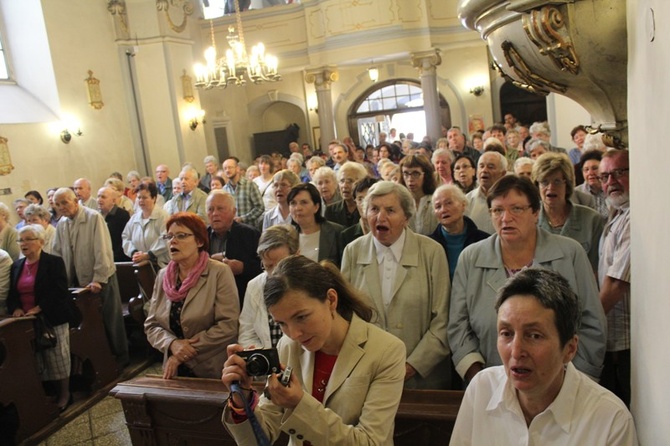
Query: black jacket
x=51, y=293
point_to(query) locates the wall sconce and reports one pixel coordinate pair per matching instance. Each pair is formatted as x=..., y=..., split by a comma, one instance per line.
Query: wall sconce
x=187, y=87
x=478, y=90
x=93, y=91
x=195, y=117
x=313, y=103
x=373, y=72
x=67, y=127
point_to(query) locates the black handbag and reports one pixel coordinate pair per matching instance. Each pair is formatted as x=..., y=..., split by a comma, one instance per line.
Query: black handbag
x=45, y=335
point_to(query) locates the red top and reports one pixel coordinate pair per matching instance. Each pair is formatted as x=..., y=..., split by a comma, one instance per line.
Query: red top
x=323, y=368
x=26, y=285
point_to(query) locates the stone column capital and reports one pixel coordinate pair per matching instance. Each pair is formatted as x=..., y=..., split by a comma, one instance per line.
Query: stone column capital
x=322, y=77
x=426, y=60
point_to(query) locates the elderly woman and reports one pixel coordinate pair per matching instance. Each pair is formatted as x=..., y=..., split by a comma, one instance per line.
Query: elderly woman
x=347, y=374
x=442, y=159
x=313, y=164
x=523, y=167
x=121, y=200
x=8, y=233
x=464, y=173
x=19, y=205
x=537, y=391
x=176, y=191
x=514, y=204
x=294, y=166
x=216, y=183
x=133, y=179
x=418, y=176
x=256, y=327
x=55, y=216
x=455, y=231
x=282, y=183
x=39, y=284
x=554, y=174
x=406, y=279
x=345, y=212
x=325, y=181
x=142, y=235
x=264, y=181
x=319, y=238
x=578, y=135
x=589, y=164
x=194, y=308
x=536, y=148
x=39, y=215
x=361, y=228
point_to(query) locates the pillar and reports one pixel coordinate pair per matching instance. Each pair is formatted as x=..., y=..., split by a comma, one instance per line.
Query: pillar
x=426, y=62
x=322, y=78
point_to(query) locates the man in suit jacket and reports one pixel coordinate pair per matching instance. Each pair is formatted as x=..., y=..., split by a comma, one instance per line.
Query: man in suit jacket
x=191, y=198
x=164, y=182
x=116, y=219
x=230, y=242
x=83, y=241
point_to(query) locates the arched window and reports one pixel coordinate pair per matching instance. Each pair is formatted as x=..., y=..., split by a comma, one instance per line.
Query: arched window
x=396, y=103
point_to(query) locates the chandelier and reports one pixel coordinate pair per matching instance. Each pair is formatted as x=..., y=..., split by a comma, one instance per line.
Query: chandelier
x=237, y=66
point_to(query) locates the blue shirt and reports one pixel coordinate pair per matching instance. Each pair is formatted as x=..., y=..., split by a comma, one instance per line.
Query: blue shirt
x=455, y=245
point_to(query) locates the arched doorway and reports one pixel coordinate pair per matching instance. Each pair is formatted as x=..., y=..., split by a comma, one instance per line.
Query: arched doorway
x=527, y=107
x=395, y=103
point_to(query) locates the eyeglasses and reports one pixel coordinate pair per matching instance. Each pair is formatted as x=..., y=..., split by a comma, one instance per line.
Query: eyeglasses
x=25, y=240
x=413, y=175
x=514, y=210
x=179, y=236
x=616, y=174
x=557, y=182
x=347, y=181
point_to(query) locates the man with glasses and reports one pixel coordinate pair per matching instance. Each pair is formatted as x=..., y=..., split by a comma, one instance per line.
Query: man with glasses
x=231, y=242
x=491, y=167
x=614, y=273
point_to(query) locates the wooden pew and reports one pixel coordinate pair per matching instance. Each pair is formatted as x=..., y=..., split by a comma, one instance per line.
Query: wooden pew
x=20, y=384
x=188, y=411
x=128, y=287
x=88, y=340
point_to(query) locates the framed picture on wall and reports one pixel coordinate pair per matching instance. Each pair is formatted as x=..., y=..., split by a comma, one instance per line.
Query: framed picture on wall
x=316, y=134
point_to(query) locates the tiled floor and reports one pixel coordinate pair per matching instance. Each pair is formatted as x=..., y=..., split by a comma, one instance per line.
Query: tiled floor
x=102, y=425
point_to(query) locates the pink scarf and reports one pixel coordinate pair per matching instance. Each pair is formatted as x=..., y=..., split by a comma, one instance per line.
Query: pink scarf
x=170, y=278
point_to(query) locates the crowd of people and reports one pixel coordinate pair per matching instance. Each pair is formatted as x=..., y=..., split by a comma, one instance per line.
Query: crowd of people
x=400, y=265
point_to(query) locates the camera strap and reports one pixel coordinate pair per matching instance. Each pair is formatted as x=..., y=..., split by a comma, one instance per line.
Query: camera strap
x=261, y=438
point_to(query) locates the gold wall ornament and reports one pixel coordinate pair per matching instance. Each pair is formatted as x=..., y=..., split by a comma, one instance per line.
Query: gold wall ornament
x=93, y=91
x=186, y=6
x=6, y=165
x=322, y=77
x=118, y=8
x=187, y=87
x=546, y=28
x=538, y=83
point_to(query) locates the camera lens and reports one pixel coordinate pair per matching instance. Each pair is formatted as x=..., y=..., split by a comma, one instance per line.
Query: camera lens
x=258, y=365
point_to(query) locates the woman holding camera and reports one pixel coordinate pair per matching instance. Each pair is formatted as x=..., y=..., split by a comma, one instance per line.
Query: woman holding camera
x=347, y=373
x=194, y=308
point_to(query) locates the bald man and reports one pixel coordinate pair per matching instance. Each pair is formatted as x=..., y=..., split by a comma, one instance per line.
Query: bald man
x=82, y=189
x=83, y=241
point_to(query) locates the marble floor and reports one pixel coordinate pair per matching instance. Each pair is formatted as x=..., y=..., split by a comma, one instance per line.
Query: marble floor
x=103, y=424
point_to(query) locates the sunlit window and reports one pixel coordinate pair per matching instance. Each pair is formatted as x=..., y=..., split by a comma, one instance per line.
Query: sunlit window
x=4, y=72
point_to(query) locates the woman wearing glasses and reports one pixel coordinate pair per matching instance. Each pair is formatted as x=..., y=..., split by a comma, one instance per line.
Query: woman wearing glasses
x=418, y=175
x=554, y=174
x=345, y=212
x=194, y=308
x=484, y=267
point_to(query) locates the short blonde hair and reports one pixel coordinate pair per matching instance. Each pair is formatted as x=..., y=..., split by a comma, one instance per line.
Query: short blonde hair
x=548, y=163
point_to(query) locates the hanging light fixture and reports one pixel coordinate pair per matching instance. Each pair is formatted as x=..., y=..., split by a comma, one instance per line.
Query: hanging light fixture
x=236, y=67
x=373, y=72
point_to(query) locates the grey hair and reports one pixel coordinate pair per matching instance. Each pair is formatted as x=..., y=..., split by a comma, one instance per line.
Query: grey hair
x=191, y=170
x=455, y=191
x=539, y=127
x=20, y=200
x=4, y=211
x=287, y=175
x=354, y=168
x=37, y=230
x=115, y=184
x=293, y=161
x=35, y=210
x=210, y=159
x=277, y=236
x=316, y=160
x=133, y=174
x=594, y=142
x=389, y=187
x=222, y=193
x=552, y=292
x=522, y=162
x=440, y=152
x=533, y=143
x=297, y=156
x=323, y=172
x=501, y=159
x=67, y=192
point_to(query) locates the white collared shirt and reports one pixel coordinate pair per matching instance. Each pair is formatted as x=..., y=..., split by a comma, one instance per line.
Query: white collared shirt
x=388, y=258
